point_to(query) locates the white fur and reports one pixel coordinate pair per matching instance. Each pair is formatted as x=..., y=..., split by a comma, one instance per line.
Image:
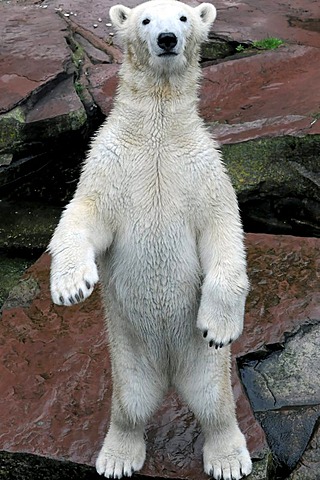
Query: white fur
x=156, y=210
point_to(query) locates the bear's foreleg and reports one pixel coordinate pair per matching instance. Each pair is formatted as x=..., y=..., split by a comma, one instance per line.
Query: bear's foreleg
x=206, y=387
x=223, y=260
x=78, y=238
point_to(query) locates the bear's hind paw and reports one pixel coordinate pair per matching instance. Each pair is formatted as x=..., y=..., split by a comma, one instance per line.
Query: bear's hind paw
x=229, y=467
x=117, y=460
x=114, y=468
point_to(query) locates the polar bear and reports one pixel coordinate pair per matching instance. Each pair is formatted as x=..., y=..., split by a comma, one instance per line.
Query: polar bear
x=155, y=210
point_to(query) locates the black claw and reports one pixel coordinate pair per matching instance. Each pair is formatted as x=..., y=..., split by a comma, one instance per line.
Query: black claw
x=88, y=285
x=71, y=300
x=205, y=333
x=221, y=345
x=77, y=297
x=81, y=294
x=211, y=343
x=230, y=341
x=216, y=346
x=61, y=299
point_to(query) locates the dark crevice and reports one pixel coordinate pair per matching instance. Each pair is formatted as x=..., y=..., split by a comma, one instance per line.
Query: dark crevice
x=25, y=466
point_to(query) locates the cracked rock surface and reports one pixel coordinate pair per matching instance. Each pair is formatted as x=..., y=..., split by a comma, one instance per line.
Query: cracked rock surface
x=285, y=392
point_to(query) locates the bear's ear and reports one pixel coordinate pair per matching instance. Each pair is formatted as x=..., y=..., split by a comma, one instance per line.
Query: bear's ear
x=118, y=15
x=207, y=12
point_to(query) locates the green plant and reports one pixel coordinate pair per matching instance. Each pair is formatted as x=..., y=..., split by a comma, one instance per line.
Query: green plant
x=269, y=43
x=78, y=87
x=240, y=48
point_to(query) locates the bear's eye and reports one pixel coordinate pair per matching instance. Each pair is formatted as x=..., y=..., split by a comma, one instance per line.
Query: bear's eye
x=183, y=18
x=145, y=21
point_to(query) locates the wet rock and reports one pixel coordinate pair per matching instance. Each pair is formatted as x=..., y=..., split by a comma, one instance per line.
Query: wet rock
x=309, y=465
x=296, y=361
x=270, y=137
x=277, y=182
x=11, y=267
x=35, y=90
x=285, y=393
x=103, y=84
x=65, y=83
x=26, y=227
x=288, y=433
x=295, y=22
x=284, y=291
x=56, y=370
x=21, y=466
x=55, y=373
x=48, y=376
x=265, y=93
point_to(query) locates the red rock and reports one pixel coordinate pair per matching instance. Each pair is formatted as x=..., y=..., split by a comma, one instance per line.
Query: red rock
x=294, y=22
x=103, y=82
x=254, y=97
x=284, y=288
x=60, y=102
x=33, y=52
x=266, y=127
x=56, y=388
x=273, y=93
x=55, y=371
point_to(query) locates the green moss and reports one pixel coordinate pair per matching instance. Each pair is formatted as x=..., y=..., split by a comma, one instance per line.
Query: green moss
x=216, y=48
x=269, y=43
x=11, y=271
x=12, y=129
x=273, y=164
x=54, y=127
x=77, y=54
x=263, y=468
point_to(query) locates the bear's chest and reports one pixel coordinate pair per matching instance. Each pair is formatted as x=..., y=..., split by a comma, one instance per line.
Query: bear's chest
x=162, y=184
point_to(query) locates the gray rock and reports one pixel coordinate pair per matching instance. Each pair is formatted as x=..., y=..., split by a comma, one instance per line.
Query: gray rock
x=285, y=393
x=286, y=378
x=309, y=466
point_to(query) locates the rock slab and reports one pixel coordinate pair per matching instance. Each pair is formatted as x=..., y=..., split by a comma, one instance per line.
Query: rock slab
x=55, y=370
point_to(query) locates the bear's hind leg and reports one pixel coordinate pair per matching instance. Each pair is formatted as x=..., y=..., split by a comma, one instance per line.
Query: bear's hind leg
x=123, y=451
x=136, y=395
x=206, y=387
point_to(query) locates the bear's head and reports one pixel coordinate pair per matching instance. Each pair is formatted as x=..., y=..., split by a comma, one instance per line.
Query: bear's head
x=163, y=34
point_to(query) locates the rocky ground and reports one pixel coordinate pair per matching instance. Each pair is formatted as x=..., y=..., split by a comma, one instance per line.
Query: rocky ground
x=58, y=75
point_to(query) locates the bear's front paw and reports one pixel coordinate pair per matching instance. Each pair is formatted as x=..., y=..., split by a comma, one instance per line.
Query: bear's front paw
x=71, y=285
x=220, y=328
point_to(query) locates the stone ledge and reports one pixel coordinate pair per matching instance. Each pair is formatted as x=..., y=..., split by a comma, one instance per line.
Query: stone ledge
x=55, y=373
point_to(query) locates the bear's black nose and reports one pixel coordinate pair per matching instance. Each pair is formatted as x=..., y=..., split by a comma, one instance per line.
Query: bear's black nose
x=167, y=41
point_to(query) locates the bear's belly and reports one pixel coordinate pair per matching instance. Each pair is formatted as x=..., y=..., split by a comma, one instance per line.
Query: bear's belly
x=153, y=272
